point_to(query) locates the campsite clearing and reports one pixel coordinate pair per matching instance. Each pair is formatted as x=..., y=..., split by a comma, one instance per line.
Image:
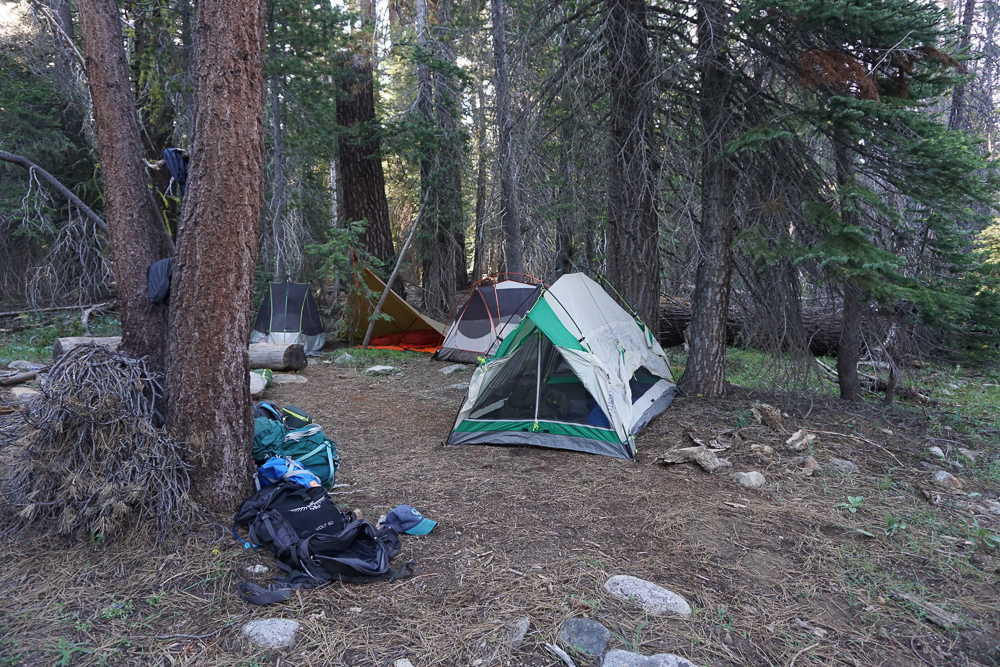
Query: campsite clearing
x=772, y=574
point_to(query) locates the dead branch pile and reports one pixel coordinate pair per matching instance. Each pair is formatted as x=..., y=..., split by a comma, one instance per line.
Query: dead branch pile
x=88, y=460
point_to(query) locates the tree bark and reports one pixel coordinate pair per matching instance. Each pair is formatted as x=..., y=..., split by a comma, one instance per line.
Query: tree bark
x=478, y=256
x=632, y=233
x=361, y=160
x=956, y=119
x=279, y=183
x=849, y=346
x=513, y=252
x=209, y=398
x=705, y=373
x=135, y=228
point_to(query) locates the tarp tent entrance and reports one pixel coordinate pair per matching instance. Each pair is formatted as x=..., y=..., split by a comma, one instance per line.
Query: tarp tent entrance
x=578, y=373
x=288, y=314
x=405, y=328
x=489, y=314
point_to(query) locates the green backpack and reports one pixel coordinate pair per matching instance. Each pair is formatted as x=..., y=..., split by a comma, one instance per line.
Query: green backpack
x=307, y=445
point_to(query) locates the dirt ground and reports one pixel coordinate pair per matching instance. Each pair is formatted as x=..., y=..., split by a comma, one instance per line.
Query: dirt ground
x=776, y=576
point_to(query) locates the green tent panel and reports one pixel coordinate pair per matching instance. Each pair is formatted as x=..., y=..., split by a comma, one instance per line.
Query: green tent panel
x=578, y=373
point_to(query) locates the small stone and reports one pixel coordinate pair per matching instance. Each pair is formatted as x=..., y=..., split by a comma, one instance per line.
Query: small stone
x=844, y=465
x=809, y=465
x=761, y=450
x=312, y=361
x=402, y=662
x=459, y=385
x=354, y=610
x=709, y=461
x=946, y=479
x=936, y=451
x=800, y=440
x=257, y=569
x=25, y=366
x=656, y=600
x=288, y=378
x=271, y=632
x=343, y=359
x=257, y=385
x=584, y=635
x=23, y=394
x=454, y=368
x=618, y=658
x=517, y=630
x=752, y=479
x=968, y=453
x=379, y=370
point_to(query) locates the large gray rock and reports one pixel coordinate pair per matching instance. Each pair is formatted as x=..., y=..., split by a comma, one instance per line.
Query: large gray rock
x=584, y=635
x=271, y=632
x=22, y=395
x=343, y=359
x=656, y=600
x=257, y=385
x=379, y=370
x=517, y=629
x=946, y=479
x=288, y=378
x=454, y=368
x=751, y=480
x=619, y=658
x=25, y=366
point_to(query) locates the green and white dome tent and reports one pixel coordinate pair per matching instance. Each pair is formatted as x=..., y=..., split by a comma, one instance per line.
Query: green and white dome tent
x=578, y=372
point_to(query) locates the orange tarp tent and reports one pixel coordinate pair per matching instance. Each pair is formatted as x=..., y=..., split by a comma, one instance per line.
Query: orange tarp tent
x=406, y=328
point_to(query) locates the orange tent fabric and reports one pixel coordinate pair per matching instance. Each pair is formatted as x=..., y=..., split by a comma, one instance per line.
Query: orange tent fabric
x=406, y=328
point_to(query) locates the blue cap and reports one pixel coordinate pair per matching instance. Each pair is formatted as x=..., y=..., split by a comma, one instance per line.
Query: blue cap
x=405, y=519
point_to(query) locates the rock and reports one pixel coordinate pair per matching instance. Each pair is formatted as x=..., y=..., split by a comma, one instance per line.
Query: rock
x=343, y=359
x=23, y=394
x=257, y=569
x=25, y=366
x=656, y=600
x=946, y=479
x=752, y=479
x=584, y=635
x=619, y=658
x=454, y=368
x=843, y=465
x=312, y=361
x=459, y=385
x=257, y=385
x=517, y=629
x=936, y=451
x=402, y=662
x=800, y=440
x=706, y=458
x=761, y=450
x=379, y=370
x=271, y=632
x=288, y=378
x=968, y=453
x=768, y=415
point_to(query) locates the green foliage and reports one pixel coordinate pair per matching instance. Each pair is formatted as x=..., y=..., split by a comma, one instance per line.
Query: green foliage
x=853, y=504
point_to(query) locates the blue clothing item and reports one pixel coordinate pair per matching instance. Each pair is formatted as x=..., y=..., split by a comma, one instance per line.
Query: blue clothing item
x=277, y=470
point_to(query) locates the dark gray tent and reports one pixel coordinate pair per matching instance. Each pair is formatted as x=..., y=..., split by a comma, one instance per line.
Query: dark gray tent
x=288, y=314
x=486, y=317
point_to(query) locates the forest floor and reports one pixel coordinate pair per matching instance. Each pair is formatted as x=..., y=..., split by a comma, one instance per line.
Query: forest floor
x=781, y=575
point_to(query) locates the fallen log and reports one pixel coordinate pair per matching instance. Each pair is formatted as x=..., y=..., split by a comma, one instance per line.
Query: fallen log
x=262, y=355
x=19, y=378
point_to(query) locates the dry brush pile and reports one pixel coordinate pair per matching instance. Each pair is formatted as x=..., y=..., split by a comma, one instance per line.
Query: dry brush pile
x=86, y=457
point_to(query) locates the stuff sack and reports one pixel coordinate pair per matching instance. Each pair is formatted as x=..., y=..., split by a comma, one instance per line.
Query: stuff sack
x=268, y=438
x=315, y=451
x=294, y=417
x=280, y=515
x=267, y=409
x=277, y=470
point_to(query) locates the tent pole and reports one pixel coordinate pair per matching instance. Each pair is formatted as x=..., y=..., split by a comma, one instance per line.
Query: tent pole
x=538, y=375
x=395, y=271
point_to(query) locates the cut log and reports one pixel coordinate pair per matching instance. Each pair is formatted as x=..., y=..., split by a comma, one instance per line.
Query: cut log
x=262, y=355
x=278, y=357
x=18, y=379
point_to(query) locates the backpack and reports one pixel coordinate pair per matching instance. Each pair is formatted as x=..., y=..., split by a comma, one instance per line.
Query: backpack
x=314, y=541
x=315, y=451
x=294, y=417
x=268, y=410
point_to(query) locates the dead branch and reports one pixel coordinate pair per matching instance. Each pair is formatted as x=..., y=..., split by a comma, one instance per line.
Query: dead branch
x=20, y=378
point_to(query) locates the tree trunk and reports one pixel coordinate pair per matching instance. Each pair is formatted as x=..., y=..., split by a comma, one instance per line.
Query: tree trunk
x=132, y=218
x=513, y=253
x=705, y=373
x=479, y=250
x=361, y=159
x=209, y=398
x=279, y=183
x=956, y=120
x=632, y=233
x=849, y=346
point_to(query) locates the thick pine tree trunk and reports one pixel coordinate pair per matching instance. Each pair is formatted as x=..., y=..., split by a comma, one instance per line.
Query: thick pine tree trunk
x=478, y=258
x=849, y=346
x=956, y=119
x=213, y=280
x=133, y=222
x=705, y=373
x=279, y=183
x=513, y=253
x=632, y=234
x=361, y=160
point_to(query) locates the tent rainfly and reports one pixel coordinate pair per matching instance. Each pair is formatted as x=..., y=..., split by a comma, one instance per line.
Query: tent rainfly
x=490, y=313
x=289, y=315
x=403, y=328
x=578, y=373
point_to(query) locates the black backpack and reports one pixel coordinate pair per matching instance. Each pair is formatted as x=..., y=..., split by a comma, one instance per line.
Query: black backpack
x=314, y=541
